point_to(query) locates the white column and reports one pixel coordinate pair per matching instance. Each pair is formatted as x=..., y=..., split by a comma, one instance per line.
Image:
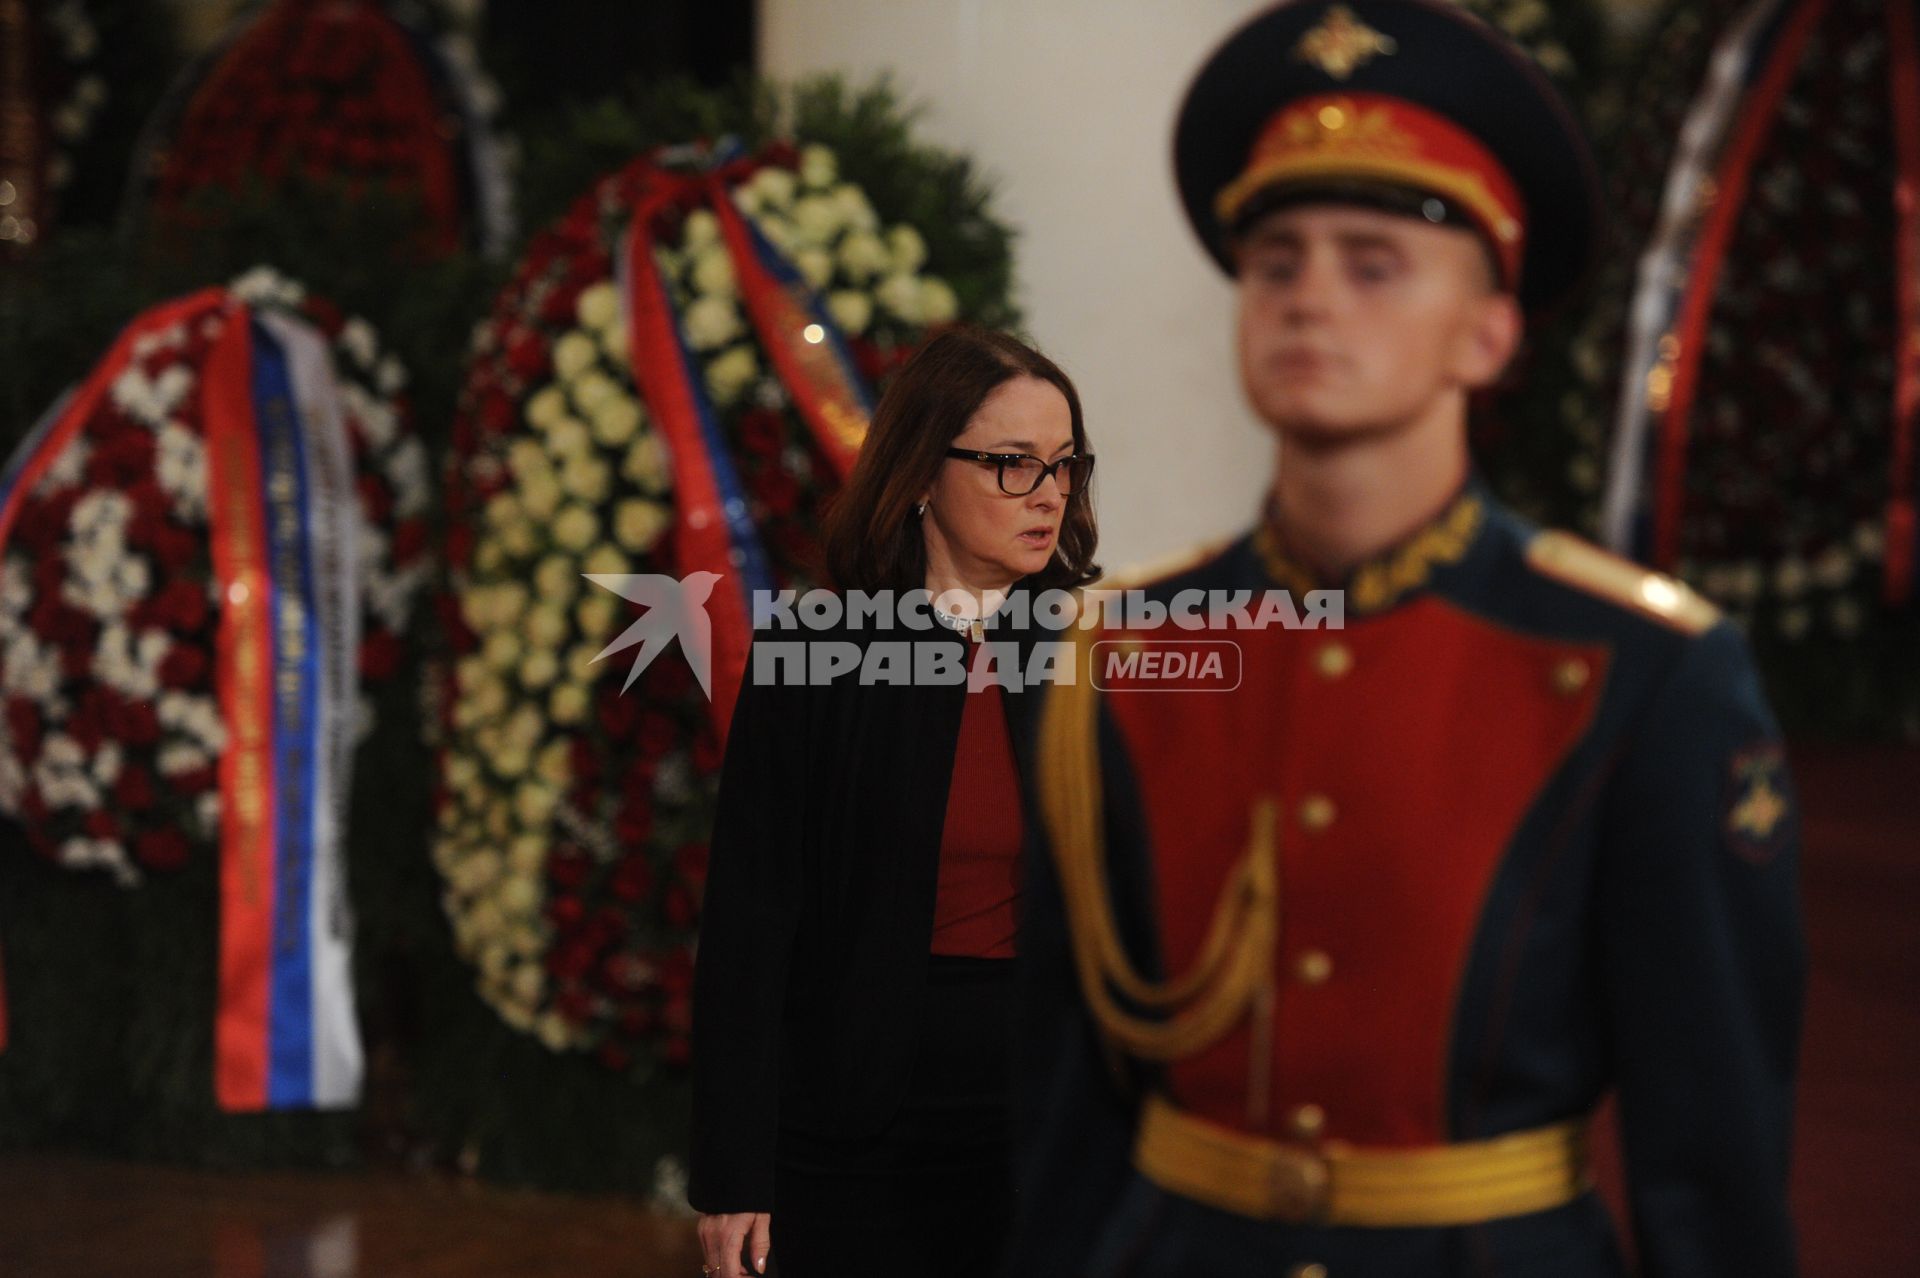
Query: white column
x=1068, y=105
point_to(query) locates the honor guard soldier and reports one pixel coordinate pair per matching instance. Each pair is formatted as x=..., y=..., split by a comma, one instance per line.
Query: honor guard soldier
x=1329, y=970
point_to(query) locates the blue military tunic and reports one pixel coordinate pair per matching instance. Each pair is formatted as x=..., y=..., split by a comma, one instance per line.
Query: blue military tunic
x=1533, y=840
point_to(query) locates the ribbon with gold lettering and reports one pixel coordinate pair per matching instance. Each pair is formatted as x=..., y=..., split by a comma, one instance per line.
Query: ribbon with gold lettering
x=243, y=676
x=800, y=337
x=713, y=530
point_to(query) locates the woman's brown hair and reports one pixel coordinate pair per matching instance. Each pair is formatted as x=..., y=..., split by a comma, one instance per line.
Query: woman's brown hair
x=873, y=539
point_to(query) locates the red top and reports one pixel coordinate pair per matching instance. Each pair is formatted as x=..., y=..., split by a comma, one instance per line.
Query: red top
x=980, y=846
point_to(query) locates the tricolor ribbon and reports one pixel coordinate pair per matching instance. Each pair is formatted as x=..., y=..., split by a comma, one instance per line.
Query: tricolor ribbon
x=284, y=1031
x=714, y=530
x=800, y=337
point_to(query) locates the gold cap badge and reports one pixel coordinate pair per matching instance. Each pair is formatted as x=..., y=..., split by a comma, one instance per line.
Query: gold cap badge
x=1342, y=44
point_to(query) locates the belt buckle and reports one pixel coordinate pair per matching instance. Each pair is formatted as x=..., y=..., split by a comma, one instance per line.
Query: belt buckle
x=1297, y=1185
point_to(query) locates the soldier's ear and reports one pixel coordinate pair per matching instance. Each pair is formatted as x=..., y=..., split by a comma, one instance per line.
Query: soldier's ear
x=1489, y=340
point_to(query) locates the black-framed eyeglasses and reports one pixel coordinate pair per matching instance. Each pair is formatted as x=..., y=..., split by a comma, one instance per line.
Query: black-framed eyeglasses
x=1021, y=473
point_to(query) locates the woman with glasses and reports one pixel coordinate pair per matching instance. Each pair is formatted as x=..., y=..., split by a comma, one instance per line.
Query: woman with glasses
x=853, y=989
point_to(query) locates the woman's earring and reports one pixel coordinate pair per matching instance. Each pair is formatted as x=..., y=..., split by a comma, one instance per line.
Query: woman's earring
x=920, y=509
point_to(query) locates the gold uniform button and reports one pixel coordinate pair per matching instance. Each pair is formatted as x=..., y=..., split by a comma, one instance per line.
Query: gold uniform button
x=1308, y=1271
x=1570, y=676
x=1307, y=1121
x=1333, y=660
x=1316, y=812
x=1315, y=967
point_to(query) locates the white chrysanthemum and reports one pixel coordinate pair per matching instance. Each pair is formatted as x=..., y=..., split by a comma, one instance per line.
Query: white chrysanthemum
x=103, y=511
x=264, y=286
x=817, y=219
x=863, y=256
x=638, y=524
x=616, y=420
x=598, y=306
x=16, y=591
x=815, y=266
x=359, y=343
x=587, y=478
x=129, y=663
x=908, y=248
x=648, y=463
x=1833, y=568
x=819, y=168
x=68, y=468
x=702, y=228
x=193, y=716
x=391, y=376
x=711, y=322
x=180, y=468
x=32, y=669
x=851, y=310
x=545, y=407
x=713, y=272
x=176, y=757
x=406, y=470
x=99, y=854
x=592, y=389
x=854, y=208
x=900, y=295
x=938, y=303
x=378, y=421
x=773, y=187
x=573, y=354
x=730, y=374
x=576, y=528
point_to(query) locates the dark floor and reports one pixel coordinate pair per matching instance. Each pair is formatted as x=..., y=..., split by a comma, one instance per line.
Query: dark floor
x=1857, y=1170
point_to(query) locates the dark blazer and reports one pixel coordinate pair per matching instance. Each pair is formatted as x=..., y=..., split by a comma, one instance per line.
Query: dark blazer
x=818, y=914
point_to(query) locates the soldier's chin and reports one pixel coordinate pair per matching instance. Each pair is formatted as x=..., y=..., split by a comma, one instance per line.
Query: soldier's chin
x=1312, y=426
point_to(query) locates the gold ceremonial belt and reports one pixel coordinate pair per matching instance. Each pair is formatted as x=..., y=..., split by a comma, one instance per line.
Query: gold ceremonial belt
x=1464, y=1183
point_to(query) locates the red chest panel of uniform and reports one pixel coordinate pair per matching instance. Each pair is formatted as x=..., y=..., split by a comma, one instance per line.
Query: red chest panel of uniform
x=1403, y=752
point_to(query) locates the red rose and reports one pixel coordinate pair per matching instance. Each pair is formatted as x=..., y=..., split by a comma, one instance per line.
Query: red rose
x=632, y=878
x=762, y=431
x=568, y=869
x=691, y=863
x=615, y=1057
x=184, y=666
x=635, y=821
x=101, y=824
x=677, y=906
x=707, y=752
x=375, y=499
x=585, y=761
x=566, y=912
x=776, y=490
x=182, y=605
x=617, y=712
x=658, y=733
x=380, y=652
x=161, y=849
x=527, y=355
x=636, y=1022
x=325, y=315
x=677, y=1052
x=571, y=961
x=574, y=1006
x=460, y=545
x=194, y=781
x=23, y=726
x=133, y=788
x=133, y=722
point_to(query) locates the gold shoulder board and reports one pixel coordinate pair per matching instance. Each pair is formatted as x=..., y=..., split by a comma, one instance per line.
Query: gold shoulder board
x=1585, y=566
